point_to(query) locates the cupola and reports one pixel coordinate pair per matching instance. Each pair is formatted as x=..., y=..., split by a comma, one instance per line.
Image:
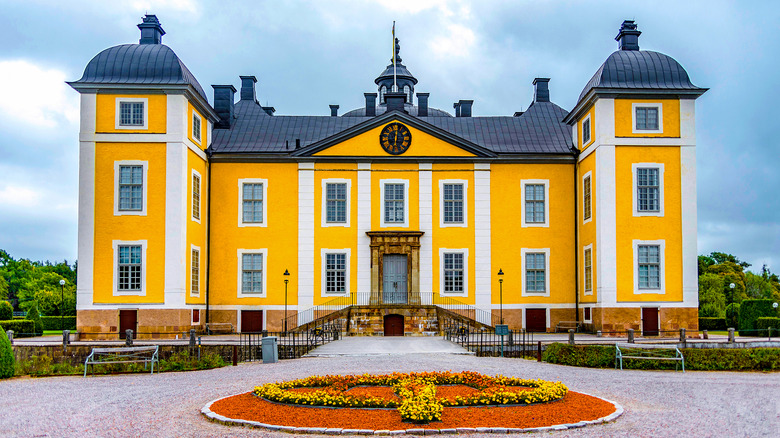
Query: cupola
x=151, y=30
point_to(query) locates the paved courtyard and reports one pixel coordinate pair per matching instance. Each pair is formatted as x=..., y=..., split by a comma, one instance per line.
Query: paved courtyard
x=657, y=404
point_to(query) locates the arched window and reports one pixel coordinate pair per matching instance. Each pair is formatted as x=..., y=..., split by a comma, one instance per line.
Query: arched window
x=408, y=92
x=382, y=91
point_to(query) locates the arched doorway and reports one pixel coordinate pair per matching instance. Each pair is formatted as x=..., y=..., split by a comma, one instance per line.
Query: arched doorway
x=394, y=325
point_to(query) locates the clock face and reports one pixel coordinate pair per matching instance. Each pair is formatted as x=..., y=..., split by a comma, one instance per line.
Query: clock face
x=395, y=138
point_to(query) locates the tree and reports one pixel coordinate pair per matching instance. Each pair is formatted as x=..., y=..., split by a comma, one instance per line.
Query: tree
x=712, y=301
x=721, y=257
x=6, y=311
x=34, y=316
x=3, y=287
x=757, y=286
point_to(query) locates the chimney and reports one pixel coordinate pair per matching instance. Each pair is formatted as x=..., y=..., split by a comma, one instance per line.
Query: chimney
x=370, y=104
x=456, y=105
x=248, y=88
x=465, y=108
x=395, y=101
x=334, y=110
x=151, y=30
x=628, y=36
x=269, y=110
x=224, y=102
x=541, y=90
x=422, y=104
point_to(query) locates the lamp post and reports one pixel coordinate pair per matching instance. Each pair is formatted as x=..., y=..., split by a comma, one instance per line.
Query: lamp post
x=501, y=295
x=731, y=299
x=62, y=304
x=286, y=280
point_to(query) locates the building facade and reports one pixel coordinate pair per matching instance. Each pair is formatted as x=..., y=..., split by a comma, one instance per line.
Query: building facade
x=193, y=212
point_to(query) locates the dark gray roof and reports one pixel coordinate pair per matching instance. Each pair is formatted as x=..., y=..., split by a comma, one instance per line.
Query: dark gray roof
x=411, y=109
x=640, y=69
x=400, y=71
x=538, y=131
x=139, y=64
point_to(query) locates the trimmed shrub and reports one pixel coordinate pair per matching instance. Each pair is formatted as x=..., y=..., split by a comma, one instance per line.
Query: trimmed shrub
x=7, y=361
x=21, y=327
x=764, y=324
x=33, y=315
x=749, y=312
x=732, y=316
x=6, y=311
x=712, y=324
x=55, y=322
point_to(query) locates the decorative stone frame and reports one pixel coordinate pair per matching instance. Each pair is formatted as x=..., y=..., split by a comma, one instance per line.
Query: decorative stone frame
x=395, y=242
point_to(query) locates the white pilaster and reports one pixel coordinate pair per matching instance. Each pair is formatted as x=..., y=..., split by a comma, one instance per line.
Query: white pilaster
x=606, y=221
x=363, y=226
x=689, y=203
x=176, y=196
x=483, y=271
x=305, y=237
x=426, y=226
x=86, y=221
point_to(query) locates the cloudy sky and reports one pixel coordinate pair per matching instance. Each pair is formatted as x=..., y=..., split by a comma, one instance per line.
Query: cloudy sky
x=309, y=54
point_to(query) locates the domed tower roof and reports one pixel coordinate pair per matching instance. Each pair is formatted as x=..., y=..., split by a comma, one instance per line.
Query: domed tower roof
x=148, y=63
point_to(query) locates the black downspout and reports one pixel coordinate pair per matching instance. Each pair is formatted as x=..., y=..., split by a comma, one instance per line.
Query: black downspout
x=208, y=232
x=576, y=153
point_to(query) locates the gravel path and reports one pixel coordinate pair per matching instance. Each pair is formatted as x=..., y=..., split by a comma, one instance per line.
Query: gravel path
x=694, y=404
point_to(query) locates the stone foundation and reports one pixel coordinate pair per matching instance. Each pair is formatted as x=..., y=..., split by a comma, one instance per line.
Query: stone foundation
x=369, y=321
x=98, y=324
x=620, y=319
x=512, y=317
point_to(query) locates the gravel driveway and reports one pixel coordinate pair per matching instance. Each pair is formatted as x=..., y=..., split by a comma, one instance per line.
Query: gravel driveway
x=657, y=404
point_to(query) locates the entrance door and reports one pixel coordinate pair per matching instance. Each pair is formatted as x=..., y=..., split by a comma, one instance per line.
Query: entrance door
x=251, y=321
x=394, y=325
x=649, y=321
x=536, y=320
x=394, y=279
x=128, y=319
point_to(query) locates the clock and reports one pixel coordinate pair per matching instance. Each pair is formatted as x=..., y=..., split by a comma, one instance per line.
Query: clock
x=395, y=138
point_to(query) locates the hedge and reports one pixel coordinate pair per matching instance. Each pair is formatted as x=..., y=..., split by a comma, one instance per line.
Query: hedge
x=35, y=316
x=710, y=359
x=21, y=327
x=712, y=324
x=750, y=311
x=6, y=310
x=763, y=324
x=54, y=322
x=7, y=361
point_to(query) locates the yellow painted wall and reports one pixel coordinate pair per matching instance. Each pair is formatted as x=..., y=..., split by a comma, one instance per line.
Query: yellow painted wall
x=367, y=144
x=196, y=231
x=587, y=231
x=667, y=227
x=334, y=237
x=203, y=126
x=280, y=236
x=624, y=117
x=592, y=113
x=401, y=171
x=453, y=237
x=508, y=237
x=129, y=227
x=106, y=113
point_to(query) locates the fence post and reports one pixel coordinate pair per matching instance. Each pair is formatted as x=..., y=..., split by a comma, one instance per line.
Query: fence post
x=630, y=336
x=731, y=336
x=571, y=336
x=235, y=355
x=10, y=334
x=598, y=333
x=682, y=335
x=65, y=339
x=705, y=334
x=539, y=352
x=192, y=338
x=129, y=337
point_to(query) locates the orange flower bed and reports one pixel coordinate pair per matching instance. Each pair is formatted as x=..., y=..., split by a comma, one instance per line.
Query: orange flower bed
x=572, y=408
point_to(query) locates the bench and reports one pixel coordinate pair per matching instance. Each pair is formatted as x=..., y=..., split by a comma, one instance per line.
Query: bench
x=648, y=351
x=146, y=355
x=567, y=325
x=212, y=327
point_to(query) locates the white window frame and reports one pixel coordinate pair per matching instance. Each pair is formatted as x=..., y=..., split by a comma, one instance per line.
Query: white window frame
x=115, y=244
x=537, y=306
x=197, y=138
x=657, y=105
x=661, y=268
x=241, y=183
x=200, y=196
x=587, y=175
x=590, y=131
x=547, y=271
x=192, y=317
x=465, y=252
x=119, y=101
x=145, y=182
x=200, y=271
x=587, y=320
x=546, y=183
x=241, y=252
x=634, y=189
x=324, y=219
x=382, y=222
x=324, y=271
x=584, y=272
x=465, y=184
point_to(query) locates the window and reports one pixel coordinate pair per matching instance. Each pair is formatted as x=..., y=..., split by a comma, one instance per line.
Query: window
x=196, y=130
x=586, y=130
x=131, y=188
x=408, y=92
x=649, y=266
x=252, y=273
x=648, y=117
x=534, y=195
x=336, y=203
x=195, y=271
x=252, y=196
x=535, y=272
x=195, y=195
x=453, y=205
x=382, y=91
x=588, y=263
x=453, y=271
x=394, y=203
x=586, y=198
x=131, y=113
x=336, y=273
x=647, y=189
x=129, y=268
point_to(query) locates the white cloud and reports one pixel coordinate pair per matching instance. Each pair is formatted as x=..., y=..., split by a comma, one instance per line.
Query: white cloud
x=416, y=6
x=16, y=196
x=35, y=95
x=152, y=7
x=457, y=42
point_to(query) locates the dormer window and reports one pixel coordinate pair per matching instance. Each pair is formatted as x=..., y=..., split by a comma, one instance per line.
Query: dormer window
x=382, y=91
x=408, y=92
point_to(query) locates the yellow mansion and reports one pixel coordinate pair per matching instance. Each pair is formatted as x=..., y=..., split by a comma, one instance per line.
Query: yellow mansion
x=193, y=212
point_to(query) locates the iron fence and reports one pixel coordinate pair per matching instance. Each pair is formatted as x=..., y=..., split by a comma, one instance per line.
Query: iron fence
x=486, y=343
x=290, y=344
